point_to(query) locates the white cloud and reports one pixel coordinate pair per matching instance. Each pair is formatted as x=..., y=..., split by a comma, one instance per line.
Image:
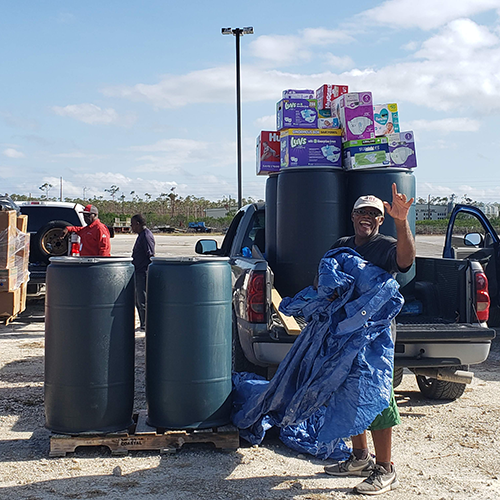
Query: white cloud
x=13, y=153
x=339, y=62
x=266, y=122
x=425, y=14
x=172, y=154
x=92, y=114
x=447, y=125
x=79, y=155
x=284, y=49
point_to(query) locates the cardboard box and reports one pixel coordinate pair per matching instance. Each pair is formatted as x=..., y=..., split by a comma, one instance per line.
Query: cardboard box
x=402, y=150
x=296, y=113
x=9, y=279
x=327, y=93
x=10, y=303
x=298, y=94
x=311, y=148
x=268, y=152
x=325, y=119
x=23, y=295
x=355, y=113
x=8, y=232
x=386, y=119
x=22, y=223
x=366, y=153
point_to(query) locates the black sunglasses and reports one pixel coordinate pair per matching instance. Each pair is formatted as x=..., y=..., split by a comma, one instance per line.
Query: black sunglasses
x=371, y=213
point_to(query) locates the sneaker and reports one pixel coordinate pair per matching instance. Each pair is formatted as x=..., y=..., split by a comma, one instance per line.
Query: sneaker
x=351, y=467
x=379, y=481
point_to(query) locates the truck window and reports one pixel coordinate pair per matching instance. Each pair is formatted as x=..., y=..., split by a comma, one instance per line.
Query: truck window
x=256, y=232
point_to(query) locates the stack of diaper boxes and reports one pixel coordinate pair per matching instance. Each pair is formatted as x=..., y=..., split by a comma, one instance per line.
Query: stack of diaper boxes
x=336, y=128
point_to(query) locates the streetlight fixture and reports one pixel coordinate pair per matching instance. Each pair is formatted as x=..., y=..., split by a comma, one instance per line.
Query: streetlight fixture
x=238, y=32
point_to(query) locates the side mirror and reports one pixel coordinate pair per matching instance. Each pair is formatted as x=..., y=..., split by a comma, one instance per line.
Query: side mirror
x=206, y=247
x=473, y=239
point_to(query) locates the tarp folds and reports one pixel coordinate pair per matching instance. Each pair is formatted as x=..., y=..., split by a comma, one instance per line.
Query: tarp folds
x=337, y=377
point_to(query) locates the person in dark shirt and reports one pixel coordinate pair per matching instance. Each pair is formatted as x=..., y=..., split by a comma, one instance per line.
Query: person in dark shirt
x=393, y=255
x=144, y=249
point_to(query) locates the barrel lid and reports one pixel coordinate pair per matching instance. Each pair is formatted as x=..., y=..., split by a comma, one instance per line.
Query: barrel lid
x=189, y=259
x=89, y=260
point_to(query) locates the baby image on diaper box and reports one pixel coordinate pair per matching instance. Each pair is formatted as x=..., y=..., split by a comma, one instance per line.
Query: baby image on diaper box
x=355, y=113
x=296, y=113
x=326, y=120
x=386, y=119
x=402, y=150
x=268, y=152
x=311, y=148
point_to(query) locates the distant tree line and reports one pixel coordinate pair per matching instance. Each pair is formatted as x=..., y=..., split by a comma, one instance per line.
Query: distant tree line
x=167, y=209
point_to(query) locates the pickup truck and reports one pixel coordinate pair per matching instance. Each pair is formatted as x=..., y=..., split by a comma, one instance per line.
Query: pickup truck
x=437, y=341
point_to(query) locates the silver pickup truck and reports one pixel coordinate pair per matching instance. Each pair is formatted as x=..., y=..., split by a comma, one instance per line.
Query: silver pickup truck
x=437, y=344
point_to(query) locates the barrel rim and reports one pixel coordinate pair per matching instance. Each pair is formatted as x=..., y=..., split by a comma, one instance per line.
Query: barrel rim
x=189, y=259
x=89, y=260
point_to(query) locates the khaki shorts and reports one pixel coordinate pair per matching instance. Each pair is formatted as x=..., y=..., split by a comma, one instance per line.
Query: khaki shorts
x=388, y=418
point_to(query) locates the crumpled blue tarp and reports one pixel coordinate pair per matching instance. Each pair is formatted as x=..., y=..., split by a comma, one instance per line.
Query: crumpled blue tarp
x=337, y=377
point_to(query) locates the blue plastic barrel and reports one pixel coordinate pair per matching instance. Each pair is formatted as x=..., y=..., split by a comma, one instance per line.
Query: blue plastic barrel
x=89, y=344
x=188, y=342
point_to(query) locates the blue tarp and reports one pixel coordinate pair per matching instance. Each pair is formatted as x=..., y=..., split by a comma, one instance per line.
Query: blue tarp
x=337, y=377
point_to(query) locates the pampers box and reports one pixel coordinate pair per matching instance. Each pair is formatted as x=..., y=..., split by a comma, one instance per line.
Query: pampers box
x=326, y=120
x=402, y=150
x=327, y=93
x=268, y=152
x=366, y=153
x=355, y=113
x=386, y=119
x=298, y=94
x=296, y=113
x=311, y=148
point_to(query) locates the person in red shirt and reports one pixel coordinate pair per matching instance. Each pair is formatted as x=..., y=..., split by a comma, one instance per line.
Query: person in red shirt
x=94, y=236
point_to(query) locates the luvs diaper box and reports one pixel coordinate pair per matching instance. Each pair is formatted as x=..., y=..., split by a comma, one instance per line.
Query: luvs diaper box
x=366, y=153
x=327, y=93
x=355, y=113
x=298, y=94
x=402, y=150
x=268, y=152
x=386, y=119
x=296, y=113
x=311, y=148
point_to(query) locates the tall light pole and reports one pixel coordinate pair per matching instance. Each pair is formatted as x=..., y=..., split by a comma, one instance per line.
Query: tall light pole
x=238, y=32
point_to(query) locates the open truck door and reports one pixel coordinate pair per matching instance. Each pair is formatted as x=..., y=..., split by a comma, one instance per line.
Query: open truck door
x=481, y=244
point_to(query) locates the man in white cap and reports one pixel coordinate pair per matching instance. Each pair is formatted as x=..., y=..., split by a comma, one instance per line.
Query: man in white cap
x=394, y=256
x=95, y=235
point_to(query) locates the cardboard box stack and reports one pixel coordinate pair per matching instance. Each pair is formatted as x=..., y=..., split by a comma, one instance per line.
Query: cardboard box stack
x=334, y=128
x=14, y=258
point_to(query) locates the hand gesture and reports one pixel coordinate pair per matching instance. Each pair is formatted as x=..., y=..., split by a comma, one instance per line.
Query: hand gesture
x=400, y=207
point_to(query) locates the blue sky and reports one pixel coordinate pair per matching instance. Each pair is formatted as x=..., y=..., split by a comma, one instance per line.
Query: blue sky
x=142, y=94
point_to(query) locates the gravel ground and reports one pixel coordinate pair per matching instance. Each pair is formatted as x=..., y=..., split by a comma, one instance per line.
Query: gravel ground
x=444, y=450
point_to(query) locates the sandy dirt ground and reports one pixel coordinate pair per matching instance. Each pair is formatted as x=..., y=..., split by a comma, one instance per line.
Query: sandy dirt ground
x=442, y=450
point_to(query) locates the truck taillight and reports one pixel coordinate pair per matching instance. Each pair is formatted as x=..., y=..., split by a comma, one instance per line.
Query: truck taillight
x=256, y=299
x=482, y=297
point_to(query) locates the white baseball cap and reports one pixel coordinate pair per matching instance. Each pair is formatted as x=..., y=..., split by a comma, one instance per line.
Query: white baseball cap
x=370, y=201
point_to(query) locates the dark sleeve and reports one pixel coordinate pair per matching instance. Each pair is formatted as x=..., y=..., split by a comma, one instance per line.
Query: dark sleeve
x=392, y=260
x=341, y=242
x=148, y=244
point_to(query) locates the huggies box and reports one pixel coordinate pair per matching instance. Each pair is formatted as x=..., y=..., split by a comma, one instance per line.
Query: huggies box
x=327, y=93
x=268, y=152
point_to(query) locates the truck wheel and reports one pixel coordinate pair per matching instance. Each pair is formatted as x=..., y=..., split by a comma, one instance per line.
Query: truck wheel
x=439, y=389
x=48, y=240
x=240, y=362
x=397, y=377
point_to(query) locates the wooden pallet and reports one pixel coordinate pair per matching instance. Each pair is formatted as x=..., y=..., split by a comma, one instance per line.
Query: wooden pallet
x=142, y=437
